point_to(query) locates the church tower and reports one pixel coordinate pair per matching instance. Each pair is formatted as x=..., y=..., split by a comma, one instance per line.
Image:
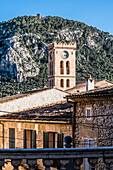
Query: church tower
x=61, y=65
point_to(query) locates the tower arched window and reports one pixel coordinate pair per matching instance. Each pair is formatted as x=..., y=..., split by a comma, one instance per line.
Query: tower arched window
x=61, y=67
x=67, y=67
x=61, y=83
x=67, y=83
x=51, y=67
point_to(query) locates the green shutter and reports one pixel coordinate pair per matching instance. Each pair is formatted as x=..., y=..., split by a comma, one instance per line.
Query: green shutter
x=59, y=140
x=11, y=137
x=24, y=139
x=34, y=138
x=45, y=140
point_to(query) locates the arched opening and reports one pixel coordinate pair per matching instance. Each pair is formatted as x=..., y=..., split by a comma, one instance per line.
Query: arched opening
x=67, y=67
x=67, y=83
x=61, y=83
x=61, y=67
x=51, y=68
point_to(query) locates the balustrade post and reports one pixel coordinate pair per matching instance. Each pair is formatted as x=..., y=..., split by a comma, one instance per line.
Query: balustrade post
x=31, y=163
x=47, y=163
x=108, y=162
x=93, y=162
x=63, y=164
x=16, y=163
x=1, y=163
x=77, y=163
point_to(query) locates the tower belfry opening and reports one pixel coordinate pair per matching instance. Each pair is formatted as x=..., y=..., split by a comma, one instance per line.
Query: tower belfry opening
x=62, y=65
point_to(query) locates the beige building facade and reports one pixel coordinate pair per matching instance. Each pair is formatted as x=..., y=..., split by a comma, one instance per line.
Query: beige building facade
x=22, y=134
x=62, y=65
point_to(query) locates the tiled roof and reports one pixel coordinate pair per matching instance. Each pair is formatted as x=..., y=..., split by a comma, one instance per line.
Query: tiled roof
x=55, y=112
x=106, y=91
x=97, y=84
x=8, y=98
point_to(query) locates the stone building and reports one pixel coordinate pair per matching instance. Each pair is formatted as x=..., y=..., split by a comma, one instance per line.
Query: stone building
x=92, y=117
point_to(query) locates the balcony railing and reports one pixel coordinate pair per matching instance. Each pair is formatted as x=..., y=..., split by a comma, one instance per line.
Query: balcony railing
x=59, y=158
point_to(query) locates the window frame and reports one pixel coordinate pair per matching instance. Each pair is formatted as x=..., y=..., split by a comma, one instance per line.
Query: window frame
x=87, y=117
x=32, y=139
x=67, y=83
x=56, y=142
x=62, y=83
x=11, y=138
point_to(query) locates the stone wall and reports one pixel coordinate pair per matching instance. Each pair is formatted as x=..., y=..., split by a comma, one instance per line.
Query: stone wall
x=99, y=127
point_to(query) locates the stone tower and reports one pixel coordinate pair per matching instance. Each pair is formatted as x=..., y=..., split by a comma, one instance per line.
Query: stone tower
x=62, y=65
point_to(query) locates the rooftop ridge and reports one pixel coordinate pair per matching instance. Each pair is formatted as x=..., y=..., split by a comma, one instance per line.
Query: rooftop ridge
x=91, y=91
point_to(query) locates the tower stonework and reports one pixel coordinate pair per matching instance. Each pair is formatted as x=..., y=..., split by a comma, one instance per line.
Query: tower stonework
x=61, y=65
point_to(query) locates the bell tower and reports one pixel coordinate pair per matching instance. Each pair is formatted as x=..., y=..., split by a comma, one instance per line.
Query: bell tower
x=62, y=65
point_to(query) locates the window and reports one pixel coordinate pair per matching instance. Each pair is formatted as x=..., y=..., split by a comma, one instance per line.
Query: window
x=67, y=83
x=61, y=67
x=87, y=143
x=51, y=68
x=29, y=139
x=88, y=113
x=11, y=138
x=61, y=83
x=52, y=140
x=67, y=67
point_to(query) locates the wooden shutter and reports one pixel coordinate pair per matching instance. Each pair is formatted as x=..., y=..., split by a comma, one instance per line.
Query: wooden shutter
x=11, y=137
x=24, y=139
x=45, y=140
x=34, y=138
x=59, y=140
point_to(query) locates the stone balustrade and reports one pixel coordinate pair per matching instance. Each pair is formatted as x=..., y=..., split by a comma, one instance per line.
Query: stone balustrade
x=59, y=158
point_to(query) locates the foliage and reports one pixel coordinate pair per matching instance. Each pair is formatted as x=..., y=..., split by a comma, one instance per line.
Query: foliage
x=94, y=49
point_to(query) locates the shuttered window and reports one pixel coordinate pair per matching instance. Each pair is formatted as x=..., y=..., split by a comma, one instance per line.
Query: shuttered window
x=34, y=138
x=29, y=139
x=24, y=139
x=59, y=140
x=11, y=138
x=52, y=140
x=45, y=139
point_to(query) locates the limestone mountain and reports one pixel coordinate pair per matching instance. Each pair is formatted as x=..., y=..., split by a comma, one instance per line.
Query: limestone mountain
x=23, y=50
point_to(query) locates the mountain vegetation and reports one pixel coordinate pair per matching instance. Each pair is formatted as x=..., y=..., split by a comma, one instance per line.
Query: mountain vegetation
x=23, y=51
